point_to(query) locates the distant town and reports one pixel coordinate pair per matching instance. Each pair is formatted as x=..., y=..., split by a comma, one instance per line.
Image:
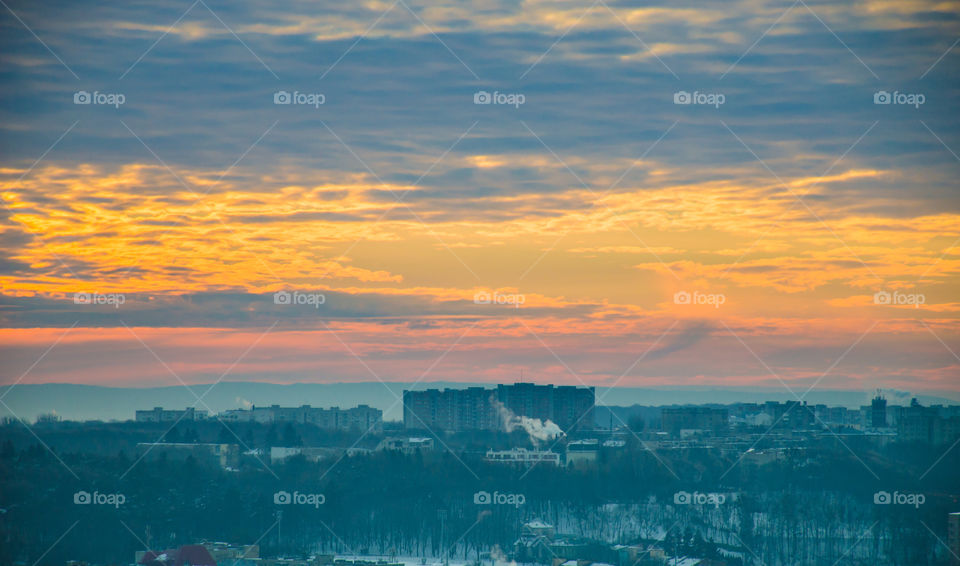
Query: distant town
x=566, y=416
x=520, y=438
x=548, y=411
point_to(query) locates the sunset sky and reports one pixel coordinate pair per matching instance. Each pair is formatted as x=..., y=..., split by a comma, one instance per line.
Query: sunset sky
x=594, y=203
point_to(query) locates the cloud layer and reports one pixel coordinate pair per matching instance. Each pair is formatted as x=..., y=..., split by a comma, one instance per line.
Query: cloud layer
x=756, y=193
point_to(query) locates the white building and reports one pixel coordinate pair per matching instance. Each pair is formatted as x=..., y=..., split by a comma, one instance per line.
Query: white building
x=361, y=417
x=407, y=445
x=161, y=415
x=523, y=456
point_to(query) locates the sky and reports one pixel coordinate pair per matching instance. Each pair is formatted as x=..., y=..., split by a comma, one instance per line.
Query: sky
x=737, y=194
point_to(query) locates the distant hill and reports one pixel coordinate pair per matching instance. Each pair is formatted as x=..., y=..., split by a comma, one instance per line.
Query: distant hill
x=89, y=402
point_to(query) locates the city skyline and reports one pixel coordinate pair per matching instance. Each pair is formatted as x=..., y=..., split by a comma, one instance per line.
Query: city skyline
x=547, y=413
x=487, y=407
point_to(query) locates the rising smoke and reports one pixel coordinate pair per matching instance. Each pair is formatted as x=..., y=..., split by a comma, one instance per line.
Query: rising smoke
x=538, y=431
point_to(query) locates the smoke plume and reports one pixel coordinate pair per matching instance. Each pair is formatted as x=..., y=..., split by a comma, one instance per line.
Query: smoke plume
x=538, y=431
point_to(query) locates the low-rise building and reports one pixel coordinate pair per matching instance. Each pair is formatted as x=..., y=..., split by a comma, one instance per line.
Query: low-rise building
x=407, y=445
x=161, y=415
x=640, y=555
x=523, y=456
x=534, y=543
x=361, y=417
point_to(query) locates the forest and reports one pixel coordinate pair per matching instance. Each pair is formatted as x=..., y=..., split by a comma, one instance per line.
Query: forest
x=815, y=507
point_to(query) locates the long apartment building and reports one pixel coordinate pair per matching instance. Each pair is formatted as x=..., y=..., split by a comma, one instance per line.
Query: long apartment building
x=361, y=417
x=479, y=408
x=161, y=415
x=933, y=425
